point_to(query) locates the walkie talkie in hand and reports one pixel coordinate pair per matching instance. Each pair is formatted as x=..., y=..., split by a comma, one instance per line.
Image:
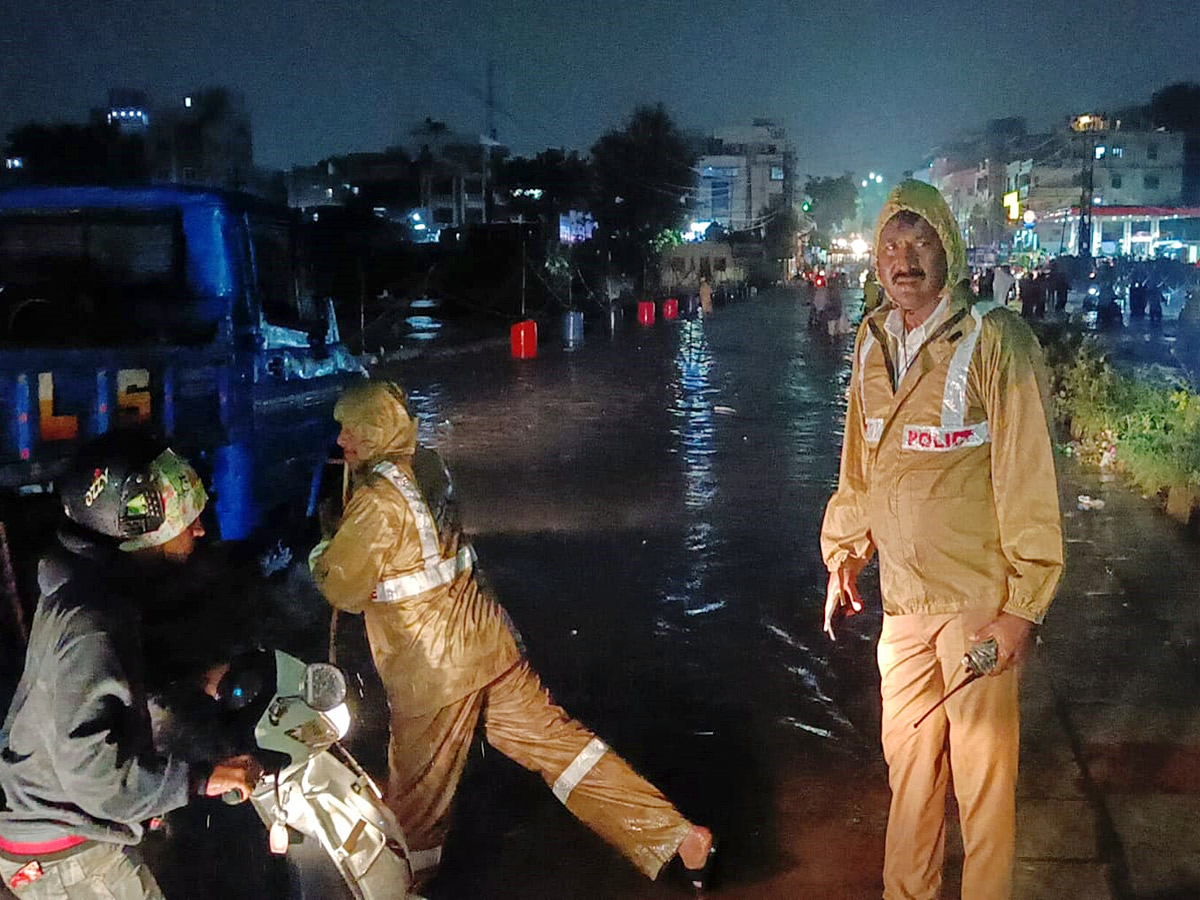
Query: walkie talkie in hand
x=979, y=660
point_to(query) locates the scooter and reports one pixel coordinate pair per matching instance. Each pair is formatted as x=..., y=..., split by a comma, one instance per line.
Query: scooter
x=312, y=786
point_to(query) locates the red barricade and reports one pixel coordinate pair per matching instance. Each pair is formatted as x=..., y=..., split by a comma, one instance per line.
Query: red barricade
x=524, y=339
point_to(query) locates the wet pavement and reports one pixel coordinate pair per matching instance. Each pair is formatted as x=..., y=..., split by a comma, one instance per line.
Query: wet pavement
x=647, y=508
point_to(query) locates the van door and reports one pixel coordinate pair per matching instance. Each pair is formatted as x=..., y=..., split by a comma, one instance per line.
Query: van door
x=297, y=373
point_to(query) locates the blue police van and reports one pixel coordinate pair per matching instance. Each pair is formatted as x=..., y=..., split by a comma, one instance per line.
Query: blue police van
x=184, y=310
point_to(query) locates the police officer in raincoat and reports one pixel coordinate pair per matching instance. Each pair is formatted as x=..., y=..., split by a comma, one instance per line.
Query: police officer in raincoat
x=447, y=656
x=947, y=472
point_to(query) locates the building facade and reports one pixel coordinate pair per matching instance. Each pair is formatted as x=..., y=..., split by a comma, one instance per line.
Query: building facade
x=205, y=138
x=746, y=173
x=971, y=190
x=129, y=110
x=1129, y=168
x=455, y=174
x=386, y=181
x=1137, y=185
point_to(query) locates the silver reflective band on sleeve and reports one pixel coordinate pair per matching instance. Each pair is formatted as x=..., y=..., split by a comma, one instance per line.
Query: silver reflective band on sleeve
x=440, y=573
x=431, y=548
x=578, y=769
x=420, y=860
x=954, y=397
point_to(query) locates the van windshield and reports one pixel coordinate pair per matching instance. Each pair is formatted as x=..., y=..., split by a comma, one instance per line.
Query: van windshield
x=95, y=278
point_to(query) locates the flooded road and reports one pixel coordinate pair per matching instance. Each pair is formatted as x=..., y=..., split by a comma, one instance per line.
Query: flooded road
x=648, y=509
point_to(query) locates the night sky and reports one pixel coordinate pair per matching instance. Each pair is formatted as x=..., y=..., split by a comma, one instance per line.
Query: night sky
x=859, y=85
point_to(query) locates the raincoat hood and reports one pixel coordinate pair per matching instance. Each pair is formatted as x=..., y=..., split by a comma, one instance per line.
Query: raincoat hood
x=377, y=413
x=928, y=203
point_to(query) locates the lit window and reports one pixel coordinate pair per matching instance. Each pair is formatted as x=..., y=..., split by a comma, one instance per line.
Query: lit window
x=187, y=102
x=777, y=173
x=328, y=193
x=1117, y=151
x=1100, y=151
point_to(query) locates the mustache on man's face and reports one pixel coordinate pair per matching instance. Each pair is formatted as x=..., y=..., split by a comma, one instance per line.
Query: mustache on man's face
x=909, y=273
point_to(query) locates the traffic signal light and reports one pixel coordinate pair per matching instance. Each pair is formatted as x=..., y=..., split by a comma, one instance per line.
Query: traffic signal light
x=806, y=205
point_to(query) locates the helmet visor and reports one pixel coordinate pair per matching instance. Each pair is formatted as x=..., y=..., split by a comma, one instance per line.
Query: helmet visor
x=181, y=495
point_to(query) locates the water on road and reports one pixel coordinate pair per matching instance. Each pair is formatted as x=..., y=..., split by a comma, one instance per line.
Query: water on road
x=648, y=509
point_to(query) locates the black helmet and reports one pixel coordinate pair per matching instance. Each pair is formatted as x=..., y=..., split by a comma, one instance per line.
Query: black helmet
x=127, y=485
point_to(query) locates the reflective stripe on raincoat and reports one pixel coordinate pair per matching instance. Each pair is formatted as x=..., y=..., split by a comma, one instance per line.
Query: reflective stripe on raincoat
x=436, y=633
x=950, y=477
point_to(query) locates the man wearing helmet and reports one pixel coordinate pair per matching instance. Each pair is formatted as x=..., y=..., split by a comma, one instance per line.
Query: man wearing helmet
x=449, y=658
x=78, y=769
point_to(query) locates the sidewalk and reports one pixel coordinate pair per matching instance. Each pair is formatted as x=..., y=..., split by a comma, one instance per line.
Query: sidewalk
x=1109, y=796
x=1110, y=786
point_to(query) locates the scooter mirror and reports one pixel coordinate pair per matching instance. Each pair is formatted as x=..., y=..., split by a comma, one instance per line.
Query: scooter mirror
x=324, y=686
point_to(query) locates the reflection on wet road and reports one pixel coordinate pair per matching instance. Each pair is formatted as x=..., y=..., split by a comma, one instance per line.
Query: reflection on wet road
x=648, y=509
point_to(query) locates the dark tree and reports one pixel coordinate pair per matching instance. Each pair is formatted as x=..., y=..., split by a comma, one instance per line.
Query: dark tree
x=547, y=185
x=833, y=201
x=1177, y=108
x=97, y=153
x=782, y=227
x=644, y=179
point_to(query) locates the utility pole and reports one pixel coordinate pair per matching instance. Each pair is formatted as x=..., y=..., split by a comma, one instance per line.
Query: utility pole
x=1087, y=125
x=1085, y=199
x=486, y=146
x=490, y=122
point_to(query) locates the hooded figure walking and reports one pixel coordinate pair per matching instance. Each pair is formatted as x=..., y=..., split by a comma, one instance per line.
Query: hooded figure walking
x=947, y=471
x=446, y=653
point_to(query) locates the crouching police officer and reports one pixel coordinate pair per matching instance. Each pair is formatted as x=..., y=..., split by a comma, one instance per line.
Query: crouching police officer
x=78, y=768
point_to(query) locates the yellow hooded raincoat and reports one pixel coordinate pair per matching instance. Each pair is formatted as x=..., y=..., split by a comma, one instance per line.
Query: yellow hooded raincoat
x=434, y=645
x=950, y=475
x=947, y=472
x=447, y=655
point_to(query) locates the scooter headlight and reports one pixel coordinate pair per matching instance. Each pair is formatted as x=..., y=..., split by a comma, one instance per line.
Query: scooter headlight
x=339, y=718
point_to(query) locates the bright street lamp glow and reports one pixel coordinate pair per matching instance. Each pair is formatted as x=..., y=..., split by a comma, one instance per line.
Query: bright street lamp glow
x=864, y=184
